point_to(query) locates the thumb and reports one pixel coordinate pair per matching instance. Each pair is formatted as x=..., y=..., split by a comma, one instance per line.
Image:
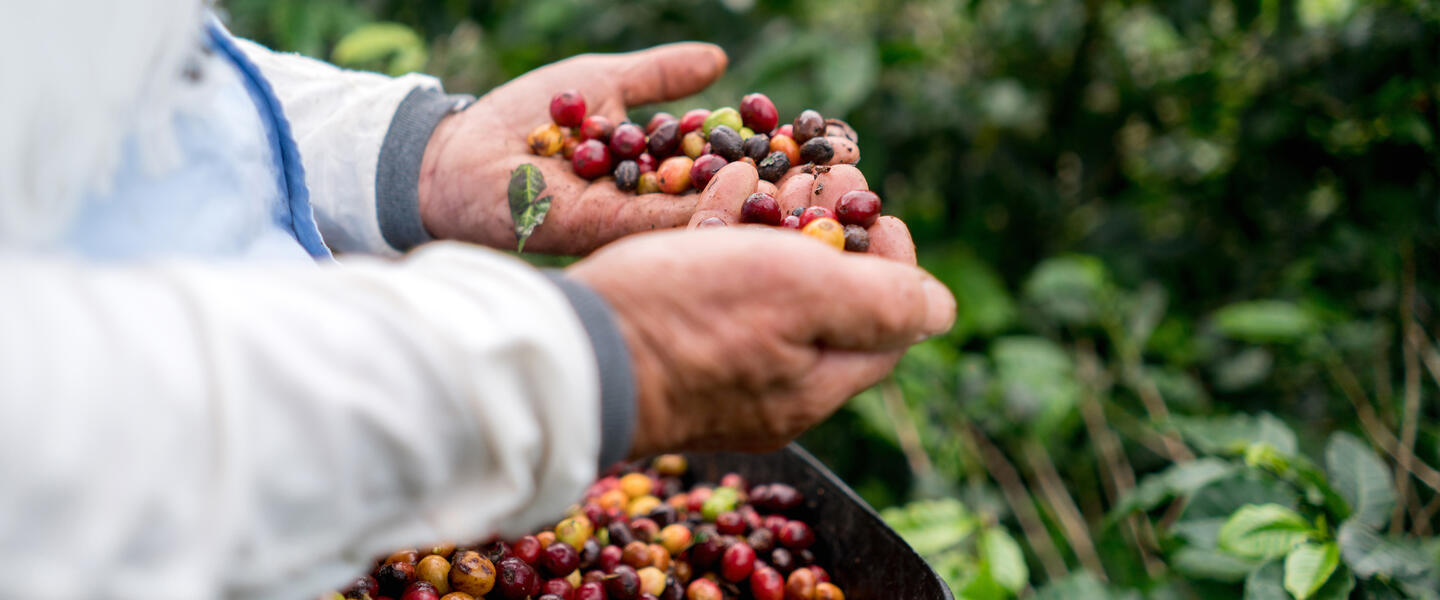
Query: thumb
x=668, y=72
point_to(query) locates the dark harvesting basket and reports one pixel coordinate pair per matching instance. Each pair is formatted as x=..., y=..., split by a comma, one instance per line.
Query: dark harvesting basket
x=864, y=556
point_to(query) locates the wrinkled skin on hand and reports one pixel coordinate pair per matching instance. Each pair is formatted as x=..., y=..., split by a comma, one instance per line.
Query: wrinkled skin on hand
x=468, y=161
x=743, y=337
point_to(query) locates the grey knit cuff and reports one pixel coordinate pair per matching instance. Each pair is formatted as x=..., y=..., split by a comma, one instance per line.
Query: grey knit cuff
x=612, y=359
x=397, y=178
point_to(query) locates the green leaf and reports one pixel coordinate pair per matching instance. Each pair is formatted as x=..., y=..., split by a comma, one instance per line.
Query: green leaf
x=1208, y=563
x=931, y=526
x=982, y=586
x=1037, y=380
x=1076, y=586
x=371, y=44
x=1233, y=434
x=1308, y=567
x=1220, y=499
x=1368, y=554
x=1177, y=480
x=1004, y=559
x=1069, y=289
x=1263, y=532
x=1361, y=478
x=1337, y=587
x=1266, y=583
x=527, y=207
x=1262, y=321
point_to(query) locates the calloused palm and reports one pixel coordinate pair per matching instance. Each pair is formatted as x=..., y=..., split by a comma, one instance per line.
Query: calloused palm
x=468, y=162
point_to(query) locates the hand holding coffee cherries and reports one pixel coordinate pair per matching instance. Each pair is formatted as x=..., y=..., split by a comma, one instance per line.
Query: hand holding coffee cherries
x=470, y=156
x=743, y=337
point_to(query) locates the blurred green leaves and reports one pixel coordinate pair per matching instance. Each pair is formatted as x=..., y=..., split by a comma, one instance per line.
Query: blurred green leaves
x=388, y=47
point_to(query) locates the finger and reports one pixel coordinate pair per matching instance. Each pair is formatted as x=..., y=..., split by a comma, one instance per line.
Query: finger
x=875, y=304
x=834, y=183
x=846, y=151
x=668, y=72
x=841, y=374
x=725, y=193
x=768, y=188
x=890, y=239
x=795, y=191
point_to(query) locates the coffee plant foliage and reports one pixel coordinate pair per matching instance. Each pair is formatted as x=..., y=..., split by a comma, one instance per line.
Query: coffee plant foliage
x=1196, y=248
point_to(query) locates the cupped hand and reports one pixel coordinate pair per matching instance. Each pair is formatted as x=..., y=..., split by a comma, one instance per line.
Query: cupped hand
x=742, y=338
x=467, y=163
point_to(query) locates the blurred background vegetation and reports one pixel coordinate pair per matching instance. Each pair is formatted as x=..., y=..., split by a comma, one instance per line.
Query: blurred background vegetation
x=1194, y=243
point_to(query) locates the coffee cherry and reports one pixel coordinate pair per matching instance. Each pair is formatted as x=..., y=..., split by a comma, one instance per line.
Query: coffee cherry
x=809, y=124
x=636, y=485
x=559, y=559
x=707, y=548
x=774, y=523
x=730, y=523
x=674, y=174
x=472, y=573
x=435, y=570
x=647, y=163
x=671, y=465
x=420, y=590
x=693, y=120
x=652, y=581
x=393, y=578
x=649, y=184
x=592, y=159
x=703, y=589
x=549, y=597
x=767, y=584
x=674, y=589
x=627, y=141
x=408, y=555
x=456, y=596
x=783, y=560
x=659, y=557
x=589, y=553
x=790, y=222
x=609, y=558
x=785, y=497
x=817, y=150
x=757, y=147
x=821, y=575
x=726, y=116
x=828, y=591
x=812, y=213
x=571, y=143
x=675, y=538
x=527, y=549
x=560, y=587
x=664, y=515
x=774, y=166
x=620, y=533
x=760, y=207
x=636, y=554
x=704, y=168
x=856, y=239
x=804, y=557
x=737, y=562
x=590, y=591
x=693, y=144
x=567, y=108
x=517, y=579
x=725, y=143
x=665, y=140
x=574, y=531
x=786, y=144
x=761, y=540
x=597, y=127
x=800, y=585
x=364, y=586
x=659, y=119
x=645, y=529
x=627, y=175
x=758, y=112
x=548, y=537
x=546, y=139
x=797, y=535
x=623, y=583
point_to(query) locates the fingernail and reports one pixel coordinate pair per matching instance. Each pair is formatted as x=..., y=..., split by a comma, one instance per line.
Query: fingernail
x=939, y=307
x=710, y=222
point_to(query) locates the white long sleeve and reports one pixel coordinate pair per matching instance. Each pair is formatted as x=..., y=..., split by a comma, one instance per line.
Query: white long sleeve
x=341, y=119
x=191, y=431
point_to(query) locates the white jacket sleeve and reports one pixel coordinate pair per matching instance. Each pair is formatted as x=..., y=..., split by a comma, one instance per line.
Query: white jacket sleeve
x=361, y=138
x=192, y=431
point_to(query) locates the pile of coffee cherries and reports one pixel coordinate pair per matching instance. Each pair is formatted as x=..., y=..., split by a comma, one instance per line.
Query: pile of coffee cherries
x=639, y=535
x=846, y=227
x=672, y=155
